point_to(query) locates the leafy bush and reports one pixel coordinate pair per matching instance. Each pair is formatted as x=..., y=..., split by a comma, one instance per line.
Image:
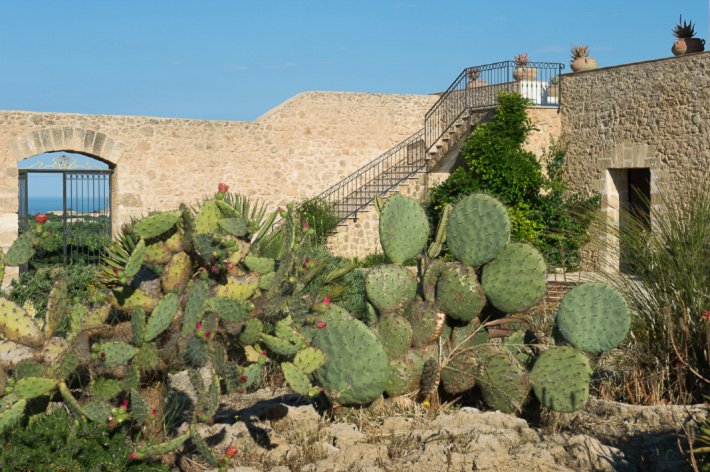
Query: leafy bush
x=541, y=212
x=320, y=215
x=87, y=237
x=669, y=290
x=58, y=442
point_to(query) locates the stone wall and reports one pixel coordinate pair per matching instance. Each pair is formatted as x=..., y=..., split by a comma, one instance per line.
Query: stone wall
x=294, y=151
x=653, y=115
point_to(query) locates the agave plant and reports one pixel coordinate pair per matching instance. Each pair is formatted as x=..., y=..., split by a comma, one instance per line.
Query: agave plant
x=683, y=29
x=521, y=60
x=579, y=51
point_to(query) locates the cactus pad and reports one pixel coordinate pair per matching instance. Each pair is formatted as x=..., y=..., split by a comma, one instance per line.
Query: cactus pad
x=238, y=288
x=9, y=417
x=357, y=369
x=251, y=331
x=17, y=325
x=234, y=226
x=395, y=334
x=21, y=251
x=560, y=379
x=427, y=322
x=207, y=219
x=177, y=273
x=503, y=382
x=33, y=387
x=161, y=317
x=56, y=306
x=478, y=229
x=262, y=265
x=404, y=228
x=458, y=293
x=155, y=225
x=296, y=378
x=114, y=353
x=515, y=280
x=135, y=260
x=197, y=296
x=309, y=359
x=403, y=377
x=390, y=287
x=593, y=317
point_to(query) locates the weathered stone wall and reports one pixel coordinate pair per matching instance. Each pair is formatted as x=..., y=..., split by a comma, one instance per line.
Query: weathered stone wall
x=294, y=151
x=653, y=115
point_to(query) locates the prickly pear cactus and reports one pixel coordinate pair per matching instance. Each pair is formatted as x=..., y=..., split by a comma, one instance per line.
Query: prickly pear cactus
x=16, y=325
x=390, y=287
x=426, y=321
x=560, y=379
x=155, y=225
x=404, y=228
x=356, y=371
x=593, y=317
x=515, y=280
x=503, y=382
x=478, y=229
x=458, y=293
x=395, y=334
x=21, y=251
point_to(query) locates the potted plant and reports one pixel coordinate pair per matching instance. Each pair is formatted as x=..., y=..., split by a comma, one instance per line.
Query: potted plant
x=553, y=90
x=685, y=42
x=473, y=74
x=522, y=70
x=581, y=61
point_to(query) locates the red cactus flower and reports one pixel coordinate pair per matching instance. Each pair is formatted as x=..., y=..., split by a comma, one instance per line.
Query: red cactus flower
x=207, y=334
x=304, y=224
x=41, y=218
x=223, y=188
x=321, y=324
x=154, y=413
x=124, y=405
x=198, y=326
x=116, y=271
x=231, y=266
x=231, y=451
x=243, y=379
x=214, y=269
x=102, y=355
x=306, y=262
x=263, y=353
x=133, y=456
x=706, y=315
x=326, y=300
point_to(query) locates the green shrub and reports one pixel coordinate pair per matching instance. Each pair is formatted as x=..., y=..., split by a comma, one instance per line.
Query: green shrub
x=320, y=215
x=58, y=442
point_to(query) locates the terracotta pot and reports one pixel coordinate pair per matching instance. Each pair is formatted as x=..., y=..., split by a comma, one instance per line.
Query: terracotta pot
x=583, y=64
x=525, y=73
x=683, y=46
x=476, y=83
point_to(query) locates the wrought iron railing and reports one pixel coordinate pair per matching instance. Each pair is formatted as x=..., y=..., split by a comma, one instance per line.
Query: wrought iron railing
x=475, y=88
x=478, y=87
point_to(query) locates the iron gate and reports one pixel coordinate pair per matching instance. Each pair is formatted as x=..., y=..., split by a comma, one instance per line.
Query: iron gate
x=82, y=226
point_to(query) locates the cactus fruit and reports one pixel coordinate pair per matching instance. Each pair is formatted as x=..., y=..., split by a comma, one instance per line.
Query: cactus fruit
x=161, y=317
x=236, y=227
x=21, y=251
x=16, y=325
x=357, y=368
x=114, y=353
x=478, y=229
x=56, y=306
x=296, y=378
x=135, y=260
x=309, y=359
x=404, y=228
x=10, y=416
x=390, y=287
x=395, y=334
x=177, y=273
x=593, y=317
x=515, y=280
x=251, y=331
x=561, y=378
x=230, y=310
x=458, y=293
x=261, y=265
x=33, y=387
x=426, y=321
x=155, y=225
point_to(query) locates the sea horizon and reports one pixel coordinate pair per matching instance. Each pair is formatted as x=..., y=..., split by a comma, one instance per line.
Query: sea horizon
x=55, y=204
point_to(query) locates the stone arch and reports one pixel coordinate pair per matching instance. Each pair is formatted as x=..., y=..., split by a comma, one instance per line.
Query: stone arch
x=67, y=138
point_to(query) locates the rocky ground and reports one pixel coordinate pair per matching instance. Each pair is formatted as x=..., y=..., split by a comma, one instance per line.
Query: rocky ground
x=277, y=431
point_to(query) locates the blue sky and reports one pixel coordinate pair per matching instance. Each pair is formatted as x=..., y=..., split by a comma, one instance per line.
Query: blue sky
x=235, y=59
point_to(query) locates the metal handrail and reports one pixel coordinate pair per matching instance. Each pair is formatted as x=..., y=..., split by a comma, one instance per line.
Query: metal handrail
x=475, y=88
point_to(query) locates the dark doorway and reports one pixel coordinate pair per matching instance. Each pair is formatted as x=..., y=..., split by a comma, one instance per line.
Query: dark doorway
x=640, y=195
